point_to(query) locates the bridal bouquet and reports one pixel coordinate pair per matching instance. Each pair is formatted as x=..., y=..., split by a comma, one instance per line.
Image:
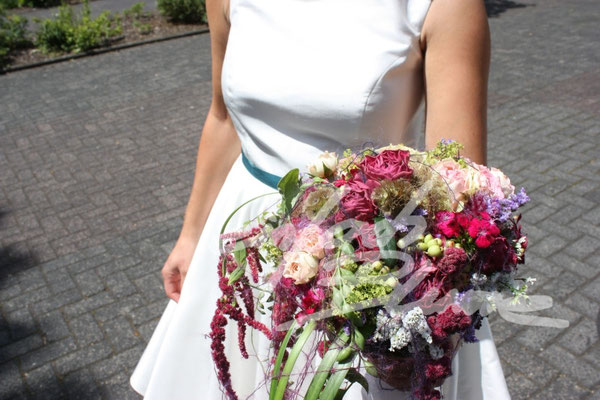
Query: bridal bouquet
x=380, y=261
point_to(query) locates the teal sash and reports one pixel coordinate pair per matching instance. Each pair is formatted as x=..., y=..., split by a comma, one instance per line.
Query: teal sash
x=263, y=176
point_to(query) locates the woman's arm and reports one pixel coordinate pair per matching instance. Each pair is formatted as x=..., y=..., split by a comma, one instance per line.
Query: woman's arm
x=219, y=147
x=456, y=42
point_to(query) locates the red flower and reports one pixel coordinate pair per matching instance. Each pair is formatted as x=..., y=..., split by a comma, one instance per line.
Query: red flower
x=453, y=261
x=447, y=223
x=463, y=220
x=312, y=300
x=357, y=203
x=484, y=231
x=438, y=369
x=452, y=320
x=499, y=256
x=389, y=164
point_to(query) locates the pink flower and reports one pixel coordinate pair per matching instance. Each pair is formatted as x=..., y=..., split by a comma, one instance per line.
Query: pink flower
x=313, y=240
x=357, y=203
x=447, y=223
x=454, y=175
x=505, y=186
x=389, y=164
x=483, y=231
x=312, y=300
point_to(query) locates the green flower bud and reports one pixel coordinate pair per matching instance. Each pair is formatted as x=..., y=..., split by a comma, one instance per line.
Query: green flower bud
x=401, y=243
x=428, y=237
x=422, y=246
x=377, y=265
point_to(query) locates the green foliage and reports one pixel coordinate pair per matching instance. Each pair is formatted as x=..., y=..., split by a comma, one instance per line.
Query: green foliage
x=136, y=10
x=13, y=35
x=144, y=29
x=29, y=3
x=68, y=33
x=189, y=11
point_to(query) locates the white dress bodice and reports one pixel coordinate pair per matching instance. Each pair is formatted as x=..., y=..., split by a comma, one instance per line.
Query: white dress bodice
x=303, y=76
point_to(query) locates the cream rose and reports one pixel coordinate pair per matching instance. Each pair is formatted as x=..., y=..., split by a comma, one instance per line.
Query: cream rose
x=326, y=160
x=300, y=266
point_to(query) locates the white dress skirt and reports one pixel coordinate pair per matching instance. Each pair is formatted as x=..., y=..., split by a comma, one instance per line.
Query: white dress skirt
x=301, y=77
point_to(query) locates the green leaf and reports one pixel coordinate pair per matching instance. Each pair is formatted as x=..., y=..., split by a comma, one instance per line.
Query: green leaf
x=236, y=274
x=289, y=187
x=294, y=353
x=333, y=384
x=324, y=368
x=280, y=354
x=239, y=252
x=355, y=376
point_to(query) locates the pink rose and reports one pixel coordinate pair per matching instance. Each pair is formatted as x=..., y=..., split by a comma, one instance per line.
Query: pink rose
x=454, y=175
x=313, y=240
x=505, y=186
x=300, y=266
x=389, y=164
x=356, y=202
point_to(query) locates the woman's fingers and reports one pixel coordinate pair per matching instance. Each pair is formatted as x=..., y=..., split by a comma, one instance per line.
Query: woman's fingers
x=172, y=282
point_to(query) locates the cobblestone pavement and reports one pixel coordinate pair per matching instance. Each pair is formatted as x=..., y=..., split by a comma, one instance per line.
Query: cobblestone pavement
x=96, y=161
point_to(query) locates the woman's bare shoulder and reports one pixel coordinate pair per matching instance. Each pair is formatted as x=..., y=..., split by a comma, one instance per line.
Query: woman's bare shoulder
x=218, y=24
x=457, y=20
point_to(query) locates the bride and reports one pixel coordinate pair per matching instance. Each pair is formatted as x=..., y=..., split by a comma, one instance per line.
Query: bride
x=292, y=78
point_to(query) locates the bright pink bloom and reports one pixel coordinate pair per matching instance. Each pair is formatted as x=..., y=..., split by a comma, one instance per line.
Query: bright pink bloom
x=447, y=224
x=483, y=231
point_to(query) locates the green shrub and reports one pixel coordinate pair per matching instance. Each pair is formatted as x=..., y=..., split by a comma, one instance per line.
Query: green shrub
x=29, y=3
x=69, y=33
x=136, y=11
x=190, y=11
x=13, y=35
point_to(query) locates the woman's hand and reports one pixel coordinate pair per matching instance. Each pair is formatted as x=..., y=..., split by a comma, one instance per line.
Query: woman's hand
x=176, y=267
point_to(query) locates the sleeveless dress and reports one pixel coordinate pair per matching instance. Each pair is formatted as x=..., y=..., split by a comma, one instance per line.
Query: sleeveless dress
x=300, y=77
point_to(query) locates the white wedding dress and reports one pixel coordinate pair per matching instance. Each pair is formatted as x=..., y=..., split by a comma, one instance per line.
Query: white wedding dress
x=300, y=77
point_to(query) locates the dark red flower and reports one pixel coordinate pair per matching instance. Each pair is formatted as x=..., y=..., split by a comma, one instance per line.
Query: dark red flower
x=498, y=256
x=389, y=164
x=357, y=203
x=438, y=369
x=452, y=320
x=453, y=261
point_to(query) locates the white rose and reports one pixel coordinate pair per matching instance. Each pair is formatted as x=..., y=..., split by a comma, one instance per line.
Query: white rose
x=326, y=160
x=300, y=266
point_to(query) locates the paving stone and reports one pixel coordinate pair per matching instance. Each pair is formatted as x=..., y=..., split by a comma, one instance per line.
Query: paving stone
x=12, y=382
x=82, y=358
x=561, y=389
x=47, y=353
x=86, y=330
x=43, y=383
x=580, y=337
x=583, y=372
x=53, y=326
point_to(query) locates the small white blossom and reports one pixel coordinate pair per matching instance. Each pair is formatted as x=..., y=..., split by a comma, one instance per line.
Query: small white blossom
x=436, y=352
